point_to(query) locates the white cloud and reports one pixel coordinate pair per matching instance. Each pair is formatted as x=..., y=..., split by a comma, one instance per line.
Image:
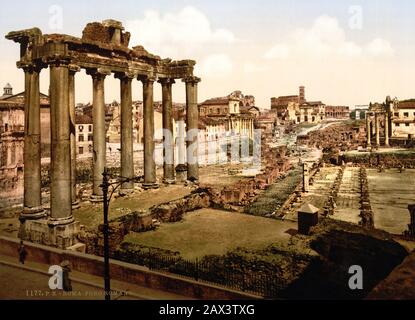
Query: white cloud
x=380, y=47
x=215, y=66
x=177, y=34
x=326, y=38
x=279, y=51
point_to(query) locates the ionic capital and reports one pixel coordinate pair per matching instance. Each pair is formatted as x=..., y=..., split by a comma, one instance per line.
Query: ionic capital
x=99, y=73
x=58, y=61
x=166, y=81
x=31, y=67
x=146, y=79
x=125, y=75
x=192, y=80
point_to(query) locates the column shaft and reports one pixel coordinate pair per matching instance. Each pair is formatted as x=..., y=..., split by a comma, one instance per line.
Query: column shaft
x=150, y=179
x=377, y=129
x=368, y=129
x=387, y=129
x=99, y=141
x=32, y=199
x=71, y=81
x=61, y=201
x=127, y=148
x=192, y=121
x=168, y=145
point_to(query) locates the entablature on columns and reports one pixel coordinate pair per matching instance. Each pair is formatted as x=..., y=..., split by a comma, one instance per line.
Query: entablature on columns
x=98, y=48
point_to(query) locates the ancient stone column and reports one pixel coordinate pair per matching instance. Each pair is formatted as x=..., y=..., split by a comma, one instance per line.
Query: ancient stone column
x=377, y=129
x=73, y=69
x=368, y=129
x=150, y=179
x=181, y=168
x=99, y=141
x=306, y=181
x=387, y=129
x=192, y=127
x=168, y=144
x=32, y=199
x=61, y=186
x=127, y=145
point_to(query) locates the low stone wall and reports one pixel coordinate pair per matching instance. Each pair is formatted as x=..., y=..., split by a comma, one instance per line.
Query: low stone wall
x=387, y=160
x=121, y=271
x=118, y=229
x=174, y=210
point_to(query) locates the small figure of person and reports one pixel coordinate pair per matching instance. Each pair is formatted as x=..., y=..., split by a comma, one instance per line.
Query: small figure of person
x=66, y=281
x=22, y=252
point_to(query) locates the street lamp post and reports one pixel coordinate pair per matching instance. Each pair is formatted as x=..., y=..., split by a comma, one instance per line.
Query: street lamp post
x=107, y=284
x=107, y=199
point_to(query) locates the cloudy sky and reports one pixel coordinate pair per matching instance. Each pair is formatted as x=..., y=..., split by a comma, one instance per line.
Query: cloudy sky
x=344, y=52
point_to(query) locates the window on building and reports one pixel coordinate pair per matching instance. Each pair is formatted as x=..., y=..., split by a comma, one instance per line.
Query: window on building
x=406, y=124
x=90, y=128
x=396, y=114
x=81, y=128
x=406, y=114
x=90, y=149
x=81, y=150
x=6, y=127
x=81, y=138
x=90, y=137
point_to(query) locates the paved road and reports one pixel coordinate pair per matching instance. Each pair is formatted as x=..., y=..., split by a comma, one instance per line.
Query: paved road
x=31, y=282
x=22, y=284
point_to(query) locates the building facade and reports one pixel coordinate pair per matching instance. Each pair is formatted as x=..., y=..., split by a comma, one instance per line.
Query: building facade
x=337, y=112
x=296, y=109
x=12, y=122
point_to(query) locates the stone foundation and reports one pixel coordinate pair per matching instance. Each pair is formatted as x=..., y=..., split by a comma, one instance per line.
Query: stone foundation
x=40, y=231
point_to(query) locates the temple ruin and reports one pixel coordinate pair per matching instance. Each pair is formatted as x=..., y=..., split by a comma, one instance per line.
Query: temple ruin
x=102, y=50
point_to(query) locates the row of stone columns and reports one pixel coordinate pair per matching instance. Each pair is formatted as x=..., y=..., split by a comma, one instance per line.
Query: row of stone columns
x=369, y=126
x=63, y=144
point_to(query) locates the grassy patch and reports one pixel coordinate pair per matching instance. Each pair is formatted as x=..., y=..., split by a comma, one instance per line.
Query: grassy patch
x=207, y=231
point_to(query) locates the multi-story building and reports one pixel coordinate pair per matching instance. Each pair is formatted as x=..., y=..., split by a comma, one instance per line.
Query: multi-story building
x=337, y=112
x=12, y=140
x=296, y=109
x=233, y=115
x=84, y=135
x=403, y=119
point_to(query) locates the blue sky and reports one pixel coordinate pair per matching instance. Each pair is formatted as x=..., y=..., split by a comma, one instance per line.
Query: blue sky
x=265, y=48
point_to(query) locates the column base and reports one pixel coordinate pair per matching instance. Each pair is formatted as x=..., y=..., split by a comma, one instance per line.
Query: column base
x=147, y=186
x=181, y=173
x=60, y=233
x=193, y=182
x=125, y=192
x=169, y=181
x=96, y=199
x=75, y=205
x=33, y=213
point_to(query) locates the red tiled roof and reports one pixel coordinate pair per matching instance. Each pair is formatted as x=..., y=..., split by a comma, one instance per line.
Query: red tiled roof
x=83, y=119
x=406, y=104
x=215, y=101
